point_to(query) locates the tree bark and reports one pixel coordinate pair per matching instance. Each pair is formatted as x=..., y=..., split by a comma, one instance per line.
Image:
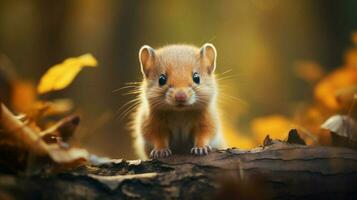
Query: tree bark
x=278, y=171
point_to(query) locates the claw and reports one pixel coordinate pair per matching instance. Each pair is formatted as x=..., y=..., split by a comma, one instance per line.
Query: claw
x=200, y=151
x=160, y=153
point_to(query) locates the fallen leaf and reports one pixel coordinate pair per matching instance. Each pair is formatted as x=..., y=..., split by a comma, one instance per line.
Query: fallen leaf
x=66, y=156
x=342, y=125
x=61, y=75
x=35, y=144
x=65, y=128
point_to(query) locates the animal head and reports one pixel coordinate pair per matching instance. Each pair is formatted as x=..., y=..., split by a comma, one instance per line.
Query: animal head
x=178, y=76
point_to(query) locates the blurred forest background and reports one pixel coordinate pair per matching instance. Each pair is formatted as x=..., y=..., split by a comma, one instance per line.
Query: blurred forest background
x=260, y=43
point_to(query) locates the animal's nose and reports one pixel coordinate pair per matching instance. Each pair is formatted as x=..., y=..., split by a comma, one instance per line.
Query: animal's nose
x=180, y=96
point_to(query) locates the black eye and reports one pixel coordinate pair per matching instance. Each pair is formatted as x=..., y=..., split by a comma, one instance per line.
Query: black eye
x=196, y=78
x=162, y=79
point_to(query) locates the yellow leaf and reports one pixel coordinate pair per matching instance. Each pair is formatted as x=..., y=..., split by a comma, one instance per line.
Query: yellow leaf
x=61, y=75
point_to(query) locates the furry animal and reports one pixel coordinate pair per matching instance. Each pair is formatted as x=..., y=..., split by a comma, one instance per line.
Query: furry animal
x=177, y=112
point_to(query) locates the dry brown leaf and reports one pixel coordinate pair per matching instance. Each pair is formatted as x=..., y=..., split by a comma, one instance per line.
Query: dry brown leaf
x=21, y=132
x=61, y=75
x=60, y=155
x=65, y=128
x=339, y=130
x=32, y=140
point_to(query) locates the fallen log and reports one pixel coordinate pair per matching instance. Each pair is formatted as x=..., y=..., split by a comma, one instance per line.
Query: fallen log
x=279, y=171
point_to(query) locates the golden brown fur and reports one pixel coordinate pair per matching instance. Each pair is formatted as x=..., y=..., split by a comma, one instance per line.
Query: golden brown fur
x=163, y=123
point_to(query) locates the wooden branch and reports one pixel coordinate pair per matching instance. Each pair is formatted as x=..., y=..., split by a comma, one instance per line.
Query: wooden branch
x=280, y=170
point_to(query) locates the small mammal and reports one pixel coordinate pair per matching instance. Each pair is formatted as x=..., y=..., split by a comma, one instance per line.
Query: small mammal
x=177, y=111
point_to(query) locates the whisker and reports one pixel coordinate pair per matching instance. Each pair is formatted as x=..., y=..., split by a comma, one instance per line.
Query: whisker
x=133, y=101
x=223, y=73
x=125, y=87
x=133, y=83
x=128, y=110
x=236, y=99
x=138, y=91
x=227, y=77
x=128, y=85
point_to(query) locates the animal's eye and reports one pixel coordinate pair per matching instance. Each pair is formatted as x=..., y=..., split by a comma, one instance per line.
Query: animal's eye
x=162, y=79
x=196, y=78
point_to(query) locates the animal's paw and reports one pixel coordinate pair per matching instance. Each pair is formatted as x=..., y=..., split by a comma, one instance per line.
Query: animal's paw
x=160, y=153
x=201, y=151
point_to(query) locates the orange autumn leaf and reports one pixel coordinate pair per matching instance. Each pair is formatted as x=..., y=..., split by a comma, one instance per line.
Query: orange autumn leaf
x=326, y=89
x=23, y=96
x=277, y=126
x=61, y=75
x=345, y=96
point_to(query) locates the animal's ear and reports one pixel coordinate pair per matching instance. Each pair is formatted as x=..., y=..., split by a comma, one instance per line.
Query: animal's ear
x=208, y=55
x=147, y=59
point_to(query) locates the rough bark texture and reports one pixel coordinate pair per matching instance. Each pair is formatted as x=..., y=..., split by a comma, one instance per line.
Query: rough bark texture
x=277, y=171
